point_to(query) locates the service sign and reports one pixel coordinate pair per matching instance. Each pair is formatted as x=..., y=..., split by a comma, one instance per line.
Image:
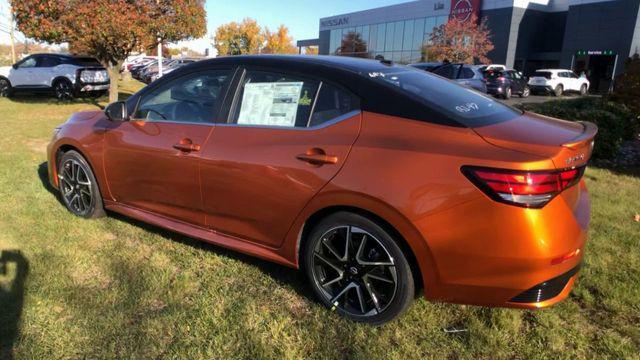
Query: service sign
x=462, y=10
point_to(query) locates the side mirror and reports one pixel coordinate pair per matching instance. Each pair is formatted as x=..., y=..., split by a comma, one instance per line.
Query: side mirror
x=15, y=66
x=117, y=111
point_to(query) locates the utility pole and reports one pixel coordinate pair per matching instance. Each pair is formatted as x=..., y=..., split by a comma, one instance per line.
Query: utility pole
x=13, y=39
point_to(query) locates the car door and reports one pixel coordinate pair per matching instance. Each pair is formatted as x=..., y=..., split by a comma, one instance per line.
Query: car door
x=43, y=73
x=285, y=138
x=23, y=73
x=517, y=82
x=152, y=161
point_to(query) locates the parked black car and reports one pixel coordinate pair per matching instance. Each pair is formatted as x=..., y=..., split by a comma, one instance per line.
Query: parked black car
x=504, y=83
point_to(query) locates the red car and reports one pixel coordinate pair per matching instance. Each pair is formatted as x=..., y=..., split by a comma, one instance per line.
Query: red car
x=376, y=179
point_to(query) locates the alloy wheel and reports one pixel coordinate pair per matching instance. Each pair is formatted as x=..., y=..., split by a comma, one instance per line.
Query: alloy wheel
x=75, y=187
x=526, y=92
x=63, y=90
x=354, y=271
x=4, y=88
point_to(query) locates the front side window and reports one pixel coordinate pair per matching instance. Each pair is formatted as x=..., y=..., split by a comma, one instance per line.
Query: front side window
x=193, y=98
x=455, y=102
x=28, y=63
x=281, y=100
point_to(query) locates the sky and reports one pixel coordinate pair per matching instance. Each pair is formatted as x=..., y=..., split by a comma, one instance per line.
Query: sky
x=300, y=16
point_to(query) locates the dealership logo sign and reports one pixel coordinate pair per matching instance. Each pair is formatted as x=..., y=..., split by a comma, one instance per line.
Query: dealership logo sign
x=335, y=22
x=462, y=10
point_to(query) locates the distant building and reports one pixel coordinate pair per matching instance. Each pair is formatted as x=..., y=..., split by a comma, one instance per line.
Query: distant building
x=595, y=36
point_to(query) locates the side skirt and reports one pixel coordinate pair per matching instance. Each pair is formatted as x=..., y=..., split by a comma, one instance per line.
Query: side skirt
x=200, y=233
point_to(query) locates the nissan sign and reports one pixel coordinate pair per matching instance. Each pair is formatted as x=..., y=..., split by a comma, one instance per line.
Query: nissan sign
x=335, y=22
x=462, y=10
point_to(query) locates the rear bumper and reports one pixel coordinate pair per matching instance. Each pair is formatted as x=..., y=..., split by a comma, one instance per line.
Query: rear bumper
x=497, y=255
x=540, y=88
x=495, y=90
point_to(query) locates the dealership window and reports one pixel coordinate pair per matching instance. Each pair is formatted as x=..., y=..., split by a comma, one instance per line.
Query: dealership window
x=388, y=45
x=398, y=35
x=418, y=34
x=382, y=34
x=373, y=37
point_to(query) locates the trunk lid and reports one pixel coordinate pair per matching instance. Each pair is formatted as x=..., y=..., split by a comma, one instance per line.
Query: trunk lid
x=568, y=144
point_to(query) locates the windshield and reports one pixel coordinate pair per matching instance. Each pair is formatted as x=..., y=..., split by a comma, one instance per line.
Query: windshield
x=456, y=102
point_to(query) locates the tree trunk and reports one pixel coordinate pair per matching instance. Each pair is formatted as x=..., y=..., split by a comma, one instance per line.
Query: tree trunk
x=114, y=75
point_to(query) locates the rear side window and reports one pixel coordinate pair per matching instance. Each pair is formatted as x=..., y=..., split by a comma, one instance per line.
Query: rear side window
x=85, y=61
x=282, y=100
x=48, y=61
x=447, y=71
x=455, y=102
x=332, y=103
x=542, y=74
x=467, y=73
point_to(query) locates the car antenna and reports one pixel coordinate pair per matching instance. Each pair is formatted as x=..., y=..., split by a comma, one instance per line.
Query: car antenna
x=383, y=60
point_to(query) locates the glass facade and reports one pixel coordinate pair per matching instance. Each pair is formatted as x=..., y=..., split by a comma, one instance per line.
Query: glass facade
x=400, y=41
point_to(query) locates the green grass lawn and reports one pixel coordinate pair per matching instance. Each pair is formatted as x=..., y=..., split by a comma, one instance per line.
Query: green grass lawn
x=116, y=288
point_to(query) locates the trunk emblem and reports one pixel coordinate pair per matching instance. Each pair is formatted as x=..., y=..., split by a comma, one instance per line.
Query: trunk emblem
x=574, y=159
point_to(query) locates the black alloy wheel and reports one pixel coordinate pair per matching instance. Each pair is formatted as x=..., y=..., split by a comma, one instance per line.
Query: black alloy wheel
x=78, y=186
x=63, y=90
x=5, y=88
x=358, y=270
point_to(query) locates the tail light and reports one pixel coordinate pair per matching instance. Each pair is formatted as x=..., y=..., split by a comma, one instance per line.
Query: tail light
x=530, y=189
x=502, y=79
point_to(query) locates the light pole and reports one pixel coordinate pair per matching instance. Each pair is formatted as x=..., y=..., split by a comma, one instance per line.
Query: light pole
x=159, y=57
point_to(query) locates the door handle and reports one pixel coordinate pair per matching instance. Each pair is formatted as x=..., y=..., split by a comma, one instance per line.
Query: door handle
x=186, y=145
x=317, y=157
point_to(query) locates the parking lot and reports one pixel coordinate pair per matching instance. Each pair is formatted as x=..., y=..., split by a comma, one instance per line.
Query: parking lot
x=535, y=99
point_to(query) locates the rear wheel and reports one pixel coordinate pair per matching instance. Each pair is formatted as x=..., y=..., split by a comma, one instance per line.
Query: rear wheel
x=559, y=89
x=63, y=89
x=525, y=92
x=357, y=269
x=583, y=90
x=5, y=88
x=78, y=186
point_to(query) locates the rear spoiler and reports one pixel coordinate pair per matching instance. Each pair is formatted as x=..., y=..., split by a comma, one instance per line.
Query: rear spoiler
x=588, y=134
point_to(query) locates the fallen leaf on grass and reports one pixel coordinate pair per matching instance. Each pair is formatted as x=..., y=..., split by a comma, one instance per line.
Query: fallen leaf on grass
x=637, y=218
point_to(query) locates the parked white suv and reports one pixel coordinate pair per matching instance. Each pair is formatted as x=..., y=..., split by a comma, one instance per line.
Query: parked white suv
x=557, y=81
x=64, y=75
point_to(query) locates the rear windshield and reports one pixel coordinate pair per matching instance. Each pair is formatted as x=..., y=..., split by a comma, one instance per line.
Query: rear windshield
x=459, y=103
x=542, y=74
x=492, y=74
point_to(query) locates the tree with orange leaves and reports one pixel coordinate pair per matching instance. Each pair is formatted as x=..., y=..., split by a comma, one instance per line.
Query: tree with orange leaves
x=110, y=29
x=279, y=42
x=460, y=41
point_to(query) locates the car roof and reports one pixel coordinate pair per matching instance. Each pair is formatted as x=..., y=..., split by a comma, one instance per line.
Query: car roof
x=553, y=70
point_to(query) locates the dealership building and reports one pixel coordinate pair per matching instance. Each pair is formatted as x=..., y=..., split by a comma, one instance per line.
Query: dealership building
x=594, y=36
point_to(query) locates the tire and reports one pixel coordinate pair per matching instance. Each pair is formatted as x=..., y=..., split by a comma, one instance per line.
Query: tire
x=369, y=281
x=78, y=187
x=559, y=89
x=5, y=88
x=583, y=90
x=525, y=92
x=63, y=89
x=507, y=93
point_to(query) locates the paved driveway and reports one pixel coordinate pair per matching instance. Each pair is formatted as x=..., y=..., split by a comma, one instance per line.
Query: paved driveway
x=533, y=99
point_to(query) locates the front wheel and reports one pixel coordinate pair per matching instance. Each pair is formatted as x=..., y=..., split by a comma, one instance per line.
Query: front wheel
x=78, y=186
x=525, y=92
x=583, y=90
x=63, y=90
x=507, y=93
x=357, y=269
x=5, y=88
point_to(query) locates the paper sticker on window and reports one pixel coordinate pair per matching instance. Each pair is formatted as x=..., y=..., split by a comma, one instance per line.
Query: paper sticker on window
x=270, y=104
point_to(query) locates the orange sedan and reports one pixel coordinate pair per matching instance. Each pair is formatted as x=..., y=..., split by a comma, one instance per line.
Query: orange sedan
x=377, y=180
